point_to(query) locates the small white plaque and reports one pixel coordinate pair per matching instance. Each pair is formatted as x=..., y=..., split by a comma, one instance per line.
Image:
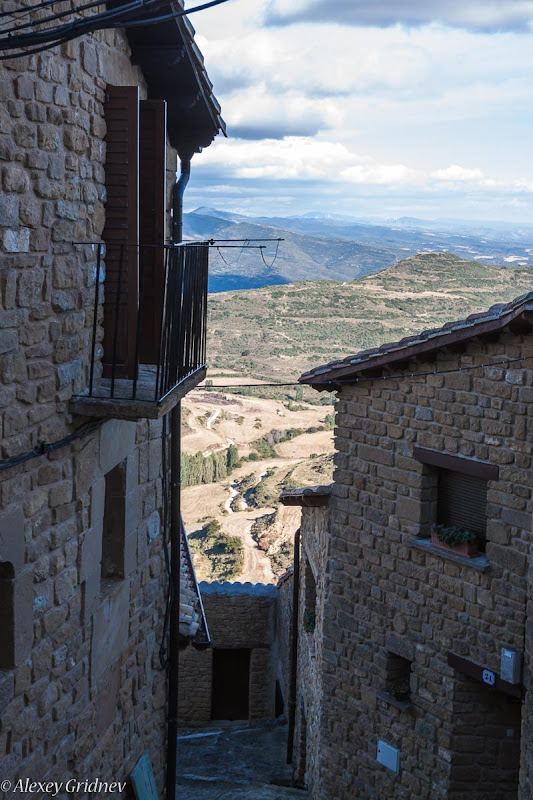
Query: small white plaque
x=388, y=755
x=488, y=677
x=511, y=666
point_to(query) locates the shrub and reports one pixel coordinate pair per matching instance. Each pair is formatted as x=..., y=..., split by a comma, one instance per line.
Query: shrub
x=451, y=534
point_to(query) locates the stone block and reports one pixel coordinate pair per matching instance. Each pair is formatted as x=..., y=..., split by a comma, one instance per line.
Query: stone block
x=17, y=241
x=66, y=373
x=408, y=508
x=90, y=595
x=91, y=551
x=9, y=209
x=110, y=630
x=507, y=557
x=97, y=501
x=108, y=692
x=117, y=441
x=130, y=554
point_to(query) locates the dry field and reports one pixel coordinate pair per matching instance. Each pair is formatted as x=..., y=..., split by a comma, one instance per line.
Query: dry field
x=213, y=421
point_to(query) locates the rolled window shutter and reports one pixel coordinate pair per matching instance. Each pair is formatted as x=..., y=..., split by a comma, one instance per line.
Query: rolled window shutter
x=152, y=205
x=462, y=501
x=121, y=228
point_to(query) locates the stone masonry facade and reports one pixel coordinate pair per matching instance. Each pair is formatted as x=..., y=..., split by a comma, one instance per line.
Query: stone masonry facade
x=396, y=607
x=240, y=617
x=82, y=693
x=313, y=564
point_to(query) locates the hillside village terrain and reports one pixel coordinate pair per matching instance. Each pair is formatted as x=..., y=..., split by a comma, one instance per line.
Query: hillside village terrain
x=267, y=543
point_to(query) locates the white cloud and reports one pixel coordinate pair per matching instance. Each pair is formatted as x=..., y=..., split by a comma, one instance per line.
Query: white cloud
x=429, y=114
x=302, y=158
x=479, y=15
x=456, y=173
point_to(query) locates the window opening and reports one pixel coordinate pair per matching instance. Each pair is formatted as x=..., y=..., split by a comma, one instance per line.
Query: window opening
x=462, y=503
x=113, y=533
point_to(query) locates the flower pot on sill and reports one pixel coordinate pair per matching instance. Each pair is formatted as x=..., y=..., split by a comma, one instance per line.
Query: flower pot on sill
x=466, y=549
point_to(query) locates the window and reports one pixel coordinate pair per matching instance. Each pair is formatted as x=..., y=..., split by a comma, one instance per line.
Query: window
x=398, y=677
x=462, y=503
x=309, y=620
x=457, y=489
x=7, y=615
x=113, y=533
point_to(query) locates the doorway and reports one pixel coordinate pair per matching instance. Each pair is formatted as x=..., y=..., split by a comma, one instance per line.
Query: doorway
x=231, y=684
x=486, y=743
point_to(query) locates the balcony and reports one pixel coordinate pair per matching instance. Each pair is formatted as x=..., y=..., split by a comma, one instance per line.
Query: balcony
x=149, y=330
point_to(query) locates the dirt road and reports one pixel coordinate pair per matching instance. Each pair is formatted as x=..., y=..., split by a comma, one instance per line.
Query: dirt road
x=256, y=568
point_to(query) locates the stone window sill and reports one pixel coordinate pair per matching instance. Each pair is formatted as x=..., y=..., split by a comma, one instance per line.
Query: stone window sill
x=402, y=705
x=109, y=587
x=479, y=563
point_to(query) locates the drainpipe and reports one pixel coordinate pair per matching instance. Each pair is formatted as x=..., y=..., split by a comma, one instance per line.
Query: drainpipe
x=177, y=200
x=175, y=525
x=293, y=648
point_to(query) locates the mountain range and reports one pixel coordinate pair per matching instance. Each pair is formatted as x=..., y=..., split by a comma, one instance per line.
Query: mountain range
x=333, y=247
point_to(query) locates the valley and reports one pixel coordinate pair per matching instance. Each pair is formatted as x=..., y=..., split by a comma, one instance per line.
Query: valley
x=266, y=438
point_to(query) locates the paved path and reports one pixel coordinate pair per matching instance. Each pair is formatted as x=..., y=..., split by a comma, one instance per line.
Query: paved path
x=234, y=762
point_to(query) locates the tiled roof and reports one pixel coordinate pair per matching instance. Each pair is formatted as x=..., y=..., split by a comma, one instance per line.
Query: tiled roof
x=496, y=318
x=307, y=496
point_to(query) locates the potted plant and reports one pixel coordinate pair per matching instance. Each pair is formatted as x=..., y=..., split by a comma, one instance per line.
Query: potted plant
x=455, y=540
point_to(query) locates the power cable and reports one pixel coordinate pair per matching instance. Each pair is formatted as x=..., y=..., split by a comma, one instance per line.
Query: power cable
x=342, y=381
x=269, y=266
x=132, y=14
x=43, y=448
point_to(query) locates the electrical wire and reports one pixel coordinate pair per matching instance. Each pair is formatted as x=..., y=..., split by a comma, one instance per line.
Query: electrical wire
x=342, y=381
x=43, y=448
x=269, y=266
x=132, y=14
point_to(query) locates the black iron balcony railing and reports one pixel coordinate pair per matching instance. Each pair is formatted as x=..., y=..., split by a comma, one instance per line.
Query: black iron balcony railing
x=153, y=347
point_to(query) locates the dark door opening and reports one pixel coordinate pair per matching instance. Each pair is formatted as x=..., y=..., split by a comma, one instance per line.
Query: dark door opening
x=231, y=684
x=486, y=743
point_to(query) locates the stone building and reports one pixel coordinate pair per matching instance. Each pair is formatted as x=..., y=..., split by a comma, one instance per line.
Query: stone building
x=90, y=134
x=235, y=678
x=413, y=684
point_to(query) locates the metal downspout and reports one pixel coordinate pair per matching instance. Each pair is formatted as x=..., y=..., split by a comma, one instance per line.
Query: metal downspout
x=294, y=648
x=175, y=525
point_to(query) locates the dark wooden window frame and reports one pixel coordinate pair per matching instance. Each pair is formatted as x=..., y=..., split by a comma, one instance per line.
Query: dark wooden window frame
x=448, y=464
x=477, y=469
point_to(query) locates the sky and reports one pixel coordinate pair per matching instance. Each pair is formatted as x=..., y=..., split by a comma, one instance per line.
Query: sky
x=370, y=108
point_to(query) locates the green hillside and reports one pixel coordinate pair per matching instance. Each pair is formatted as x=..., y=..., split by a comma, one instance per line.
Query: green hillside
x=277, y=332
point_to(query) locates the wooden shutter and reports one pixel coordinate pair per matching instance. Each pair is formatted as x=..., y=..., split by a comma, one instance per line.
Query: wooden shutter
x=152, y=205
x=121, y=227
x=462, y=501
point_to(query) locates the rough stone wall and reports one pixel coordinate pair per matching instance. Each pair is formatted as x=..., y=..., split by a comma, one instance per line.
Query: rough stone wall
x=52, y=174
x=283, y=628
x=385, y=596
x=238, y=616
x=85, y=696
x=313, y=569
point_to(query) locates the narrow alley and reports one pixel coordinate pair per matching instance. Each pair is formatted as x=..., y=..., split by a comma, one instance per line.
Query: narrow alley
x=235, y=761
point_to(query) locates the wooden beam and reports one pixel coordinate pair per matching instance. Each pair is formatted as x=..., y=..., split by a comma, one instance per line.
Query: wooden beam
x=478, y=469
x=476, y=671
